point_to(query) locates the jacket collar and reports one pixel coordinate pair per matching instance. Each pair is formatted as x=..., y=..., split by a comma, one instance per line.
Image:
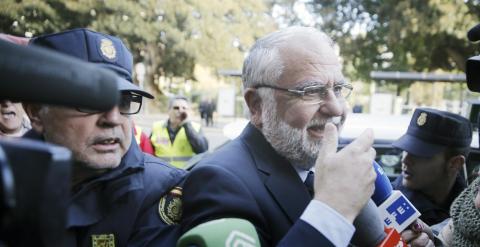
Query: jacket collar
x=281, y=180
x=95, y=198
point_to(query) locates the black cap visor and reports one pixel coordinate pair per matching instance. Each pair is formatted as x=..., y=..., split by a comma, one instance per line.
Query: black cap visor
x=417, y=147
x=124, y=85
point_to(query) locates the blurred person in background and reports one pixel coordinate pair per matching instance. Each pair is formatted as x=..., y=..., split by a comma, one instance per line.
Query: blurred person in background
x=435, y=147
x=142, y=140
x=210, y=107
x=179, y=138
x=13, y=120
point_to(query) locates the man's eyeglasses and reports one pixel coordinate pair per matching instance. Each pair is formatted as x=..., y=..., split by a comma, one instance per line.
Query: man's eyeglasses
x=176, y=108
x=129, y=104
x=315, y=94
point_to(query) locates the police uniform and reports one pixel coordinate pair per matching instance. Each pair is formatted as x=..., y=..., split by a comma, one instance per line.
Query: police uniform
x=137, y=203
x=187, y=141
x=431, y=213
x=429, y=133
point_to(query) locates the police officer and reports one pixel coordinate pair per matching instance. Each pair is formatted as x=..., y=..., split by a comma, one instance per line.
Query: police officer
x=435, y=148
x=178, y=139
x=120, y=196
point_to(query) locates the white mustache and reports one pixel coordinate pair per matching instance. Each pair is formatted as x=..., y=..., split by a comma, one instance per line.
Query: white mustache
x=316, y=122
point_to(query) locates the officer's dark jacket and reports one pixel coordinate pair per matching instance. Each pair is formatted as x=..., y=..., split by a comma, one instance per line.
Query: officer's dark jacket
x=431, y=213
x=123, y=206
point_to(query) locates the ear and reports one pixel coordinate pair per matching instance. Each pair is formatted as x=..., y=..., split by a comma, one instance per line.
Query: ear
x=33, y=113
x=455, y=163
x=254, y=103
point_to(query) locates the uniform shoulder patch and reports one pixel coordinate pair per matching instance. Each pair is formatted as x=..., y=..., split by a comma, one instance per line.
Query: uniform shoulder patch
x=103, y=240
x=170, y=206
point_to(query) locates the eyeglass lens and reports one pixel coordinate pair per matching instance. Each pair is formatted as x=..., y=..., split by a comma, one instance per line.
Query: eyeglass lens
x=318, y=95
x=129, y=104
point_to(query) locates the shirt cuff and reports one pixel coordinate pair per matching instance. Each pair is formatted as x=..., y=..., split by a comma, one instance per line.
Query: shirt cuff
x=329, y=222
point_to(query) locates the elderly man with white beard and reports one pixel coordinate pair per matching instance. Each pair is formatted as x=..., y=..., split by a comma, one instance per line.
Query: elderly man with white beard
x=296, y=94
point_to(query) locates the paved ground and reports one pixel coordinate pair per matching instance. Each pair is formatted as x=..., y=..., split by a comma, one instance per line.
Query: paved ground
x=213, y=133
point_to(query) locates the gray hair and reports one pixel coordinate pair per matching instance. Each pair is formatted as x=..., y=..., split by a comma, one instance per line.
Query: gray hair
x=264, y=63
x=177, y=97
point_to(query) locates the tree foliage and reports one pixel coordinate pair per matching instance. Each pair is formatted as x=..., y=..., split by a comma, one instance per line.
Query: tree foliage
x=400, y=35
x=169, y=36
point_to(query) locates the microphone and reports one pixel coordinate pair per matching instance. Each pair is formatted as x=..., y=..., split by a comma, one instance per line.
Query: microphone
x=221, y=232
x=474, y=33
x=472, y=75
x=35, y=74
x=369, y=230
x=395, y=209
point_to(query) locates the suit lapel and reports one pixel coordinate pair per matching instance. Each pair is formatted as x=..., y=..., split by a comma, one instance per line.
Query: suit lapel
x=281, y=179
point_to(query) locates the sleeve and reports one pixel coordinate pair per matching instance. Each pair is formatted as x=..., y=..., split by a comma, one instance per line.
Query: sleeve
x=145, y=144
x=211, y=192
x=320, y=216
x=198, y=141
x=150, y=227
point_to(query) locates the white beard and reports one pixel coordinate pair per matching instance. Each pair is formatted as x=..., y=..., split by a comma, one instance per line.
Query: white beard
x=291, y=143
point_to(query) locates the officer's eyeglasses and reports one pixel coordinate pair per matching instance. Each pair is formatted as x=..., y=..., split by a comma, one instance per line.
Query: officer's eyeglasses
x=315, y=94
x=129, y=104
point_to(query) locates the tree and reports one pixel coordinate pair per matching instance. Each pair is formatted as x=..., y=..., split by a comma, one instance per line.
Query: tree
x=169, y=36
x=400, y=35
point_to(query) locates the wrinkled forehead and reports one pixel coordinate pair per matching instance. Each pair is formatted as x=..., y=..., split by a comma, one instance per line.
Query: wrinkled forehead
x=310, y=58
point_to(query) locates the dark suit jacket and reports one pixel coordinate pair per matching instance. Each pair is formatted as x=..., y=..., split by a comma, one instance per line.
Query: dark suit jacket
x=247, y=179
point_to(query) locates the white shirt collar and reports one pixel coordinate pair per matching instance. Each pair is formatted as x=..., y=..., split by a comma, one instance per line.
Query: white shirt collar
x=303, y=173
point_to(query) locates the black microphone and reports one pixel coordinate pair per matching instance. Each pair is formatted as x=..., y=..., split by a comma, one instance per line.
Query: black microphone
x=35, y=74
x=474, y=33
x=369, y=230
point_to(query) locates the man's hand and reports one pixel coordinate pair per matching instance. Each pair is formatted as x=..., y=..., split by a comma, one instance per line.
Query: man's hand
x=418, y=235
x=184, y=118
x=345, y=180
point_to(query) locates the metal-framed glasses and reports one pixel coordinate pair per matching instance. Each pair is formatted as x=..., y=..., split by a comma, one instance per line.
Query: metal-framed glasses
x=129, y=104
x=315, y=94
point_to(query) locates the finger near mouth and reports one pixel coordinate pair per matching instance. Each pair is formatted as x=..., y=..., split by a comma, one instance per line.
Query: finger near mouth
x=316, y=130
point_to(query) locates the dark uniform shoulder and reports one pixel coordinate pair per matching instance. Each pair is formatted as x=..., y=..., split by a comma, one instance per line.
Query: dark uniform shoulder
x=157, y=169
x=163, y=185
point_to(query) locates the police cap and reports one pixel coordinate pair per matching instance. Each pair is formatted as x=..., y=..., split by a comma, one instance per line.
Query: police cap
x=432, y=131
x=94, y=47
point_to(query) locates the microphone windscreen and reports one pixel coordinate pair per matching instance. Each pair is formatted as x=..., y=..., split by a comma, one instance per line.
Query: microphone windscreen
x=474, y=33
x=472, y=74
x=34, y=74
x=383, y=187
x=221, y=232
x=369, y=230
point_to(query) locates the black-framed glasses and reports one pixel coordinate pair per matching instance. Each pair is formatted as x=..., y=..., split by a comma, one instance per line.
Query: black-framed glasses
x=129, y=104
x=315, y=94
